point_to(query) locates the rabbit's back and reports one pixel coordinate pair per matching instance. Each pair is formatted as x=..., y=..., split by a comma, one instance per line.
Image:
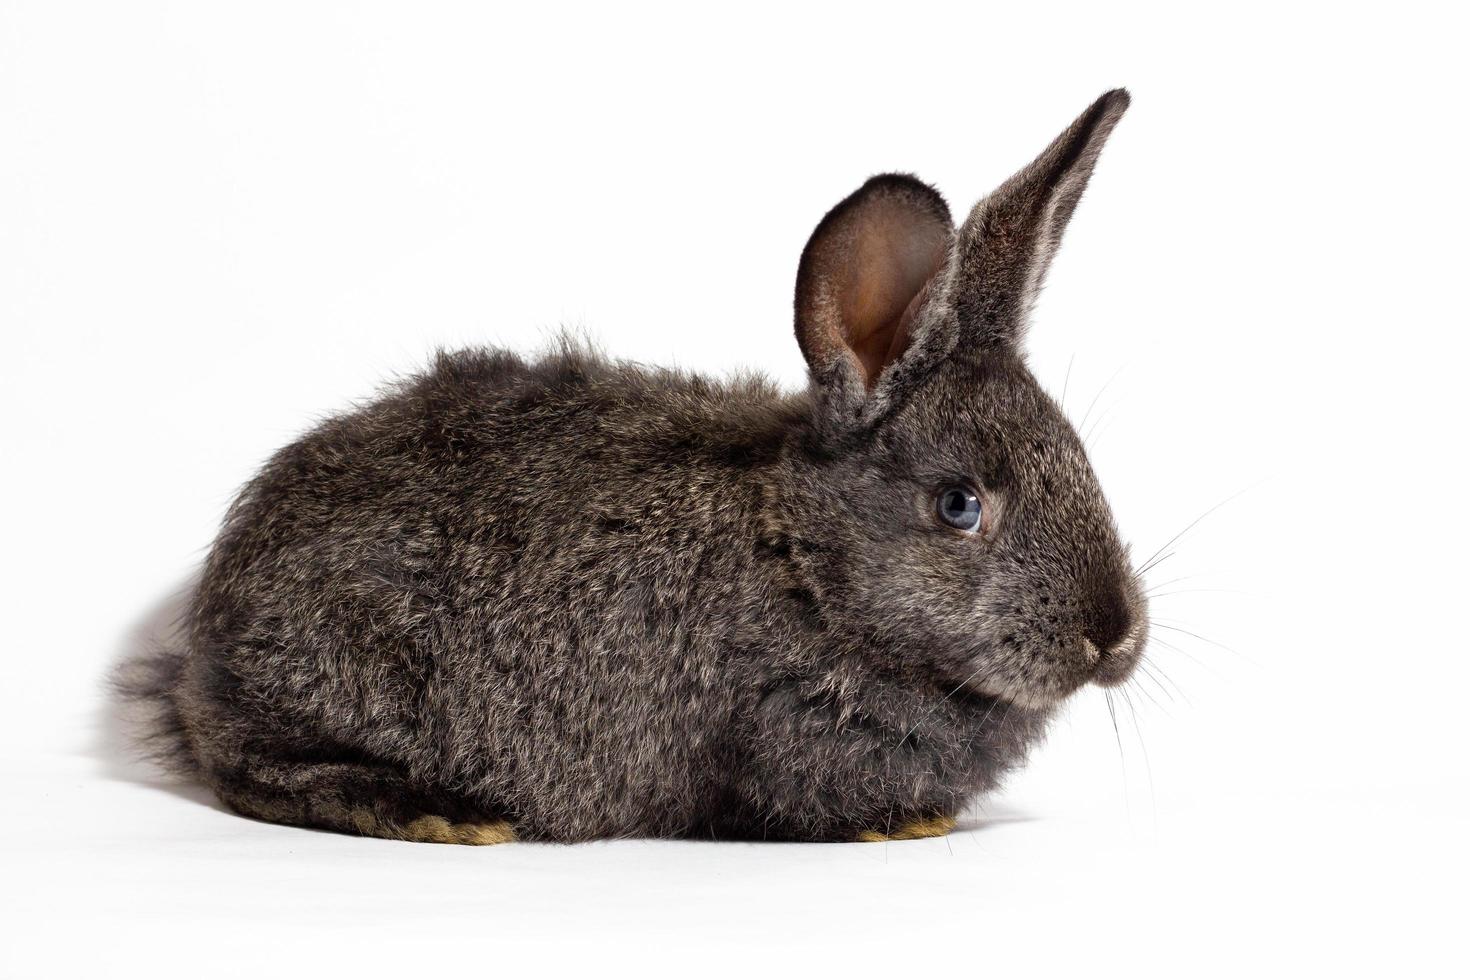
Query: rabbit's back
x=501, y=574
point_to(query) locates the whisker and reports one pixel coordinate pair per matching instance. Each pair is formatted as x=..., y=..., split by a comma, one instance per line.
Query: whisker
x=927, y=715
x=1161, y=595
x=1188, y=527
x=1010, y=706
x=1095, y=434
x=1185, y=653
x=1113, y=714
x=1177, y=578
x=1146, y=693
x=1156, y=671
x=1203, y=639
x=1148, y=769
x=888, y=829
x=1099, y=394
x=1148, y=671
x=1122, y=758
x=888, y=824
x=1153, y=563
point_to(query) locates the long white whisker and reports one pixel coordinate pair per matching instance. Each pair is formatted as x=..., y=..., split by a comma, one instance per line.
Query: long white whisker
x=1203, y=639
x=1148, y=770
x=1066, y=380
x=1095, y=397
x=1188, y=527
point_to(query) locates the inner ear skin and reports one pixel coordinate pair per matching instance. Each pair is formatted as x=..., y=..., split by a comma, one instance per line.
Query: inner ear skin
x=891, y=266
x=861, y=269
x=905, y=327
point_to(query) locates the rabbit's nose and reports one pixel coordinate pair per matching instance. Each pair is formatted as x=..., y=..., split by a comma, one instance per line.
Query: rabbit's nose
x=1110, y=622
x=1114, y=635
x=1115, y=662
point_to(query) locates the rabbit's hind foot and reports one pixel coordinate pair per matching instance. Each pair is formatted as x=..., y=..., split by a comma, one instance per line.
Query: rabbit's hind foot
x=353, y=798
x=434, y=830
x=913, y=830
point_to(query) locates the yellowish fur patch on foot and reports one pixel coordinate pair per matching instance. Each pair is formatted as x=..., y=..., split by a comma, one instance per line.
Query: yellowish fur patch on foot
x=913, y=830
x=437, y=830
x=434, y=830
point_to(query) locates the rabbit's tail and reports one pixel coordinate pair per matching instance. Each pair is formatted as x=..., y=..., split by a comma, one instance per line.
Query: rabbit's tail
x=147, y=687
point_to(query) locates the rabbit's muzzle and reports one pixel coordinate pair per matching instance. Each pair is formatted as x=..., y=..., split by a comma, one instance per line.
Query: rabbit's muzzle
x=1045, y=642
x=1114, y=639
x=1115, y=663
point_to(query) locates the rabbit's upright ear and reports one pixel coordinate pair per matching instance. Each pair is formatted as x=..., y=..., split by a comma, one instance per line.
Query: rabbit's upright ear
x=862, y=280
x=1002, y=251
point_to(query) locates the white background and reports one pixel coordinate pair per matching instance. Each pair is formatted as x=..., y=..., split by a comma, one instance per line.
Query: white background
x=218, y=224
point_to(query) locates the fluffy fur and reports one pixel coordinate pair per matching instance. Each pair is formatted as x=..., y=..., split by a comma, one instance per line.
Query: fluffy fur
x=567, y=598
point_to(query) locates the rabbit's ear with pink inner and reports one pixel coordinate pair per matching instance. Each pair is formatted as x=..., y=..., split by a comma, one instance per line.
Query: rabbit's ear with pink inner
x=863, y=278
x=887, y=290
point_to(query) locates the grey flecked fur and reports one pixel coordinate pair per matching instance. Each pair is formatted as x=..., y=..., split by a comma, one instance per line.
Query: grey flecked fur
x=592, y=599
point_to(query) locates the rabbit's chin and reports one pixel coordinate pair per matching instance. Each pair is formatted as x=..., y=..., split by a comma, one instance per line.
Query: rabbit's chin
x=1039, y=694
x=1025, y=696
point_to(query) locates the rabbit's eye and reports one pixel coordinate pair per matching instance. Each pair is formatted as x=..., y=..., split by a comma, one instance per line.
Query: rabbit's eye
x=959, y=507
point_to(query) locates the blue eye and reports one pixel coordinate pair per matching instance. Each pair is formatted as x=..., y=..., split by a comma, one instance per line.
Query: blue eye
x=959, y=507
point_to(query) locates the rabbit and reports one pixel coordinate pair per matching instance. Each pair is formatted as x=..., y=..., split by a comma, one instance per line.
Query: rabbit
x=566, y=598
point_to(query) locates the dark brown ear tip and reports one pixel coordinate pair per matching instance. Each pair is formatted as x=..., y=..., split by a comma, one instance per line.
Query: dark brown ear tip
x=1096, y=123
x=909, y=186
x=1113, y=104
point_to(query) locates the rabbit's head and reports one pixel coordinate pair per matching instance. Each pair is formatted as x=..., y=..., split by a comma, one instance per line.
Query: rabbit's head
x=948, y=504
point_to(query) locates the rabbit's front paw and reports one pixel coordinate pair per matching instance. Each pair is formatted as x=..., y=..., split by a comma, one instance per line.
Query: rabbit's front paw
x=913, y=830
x=436, y=830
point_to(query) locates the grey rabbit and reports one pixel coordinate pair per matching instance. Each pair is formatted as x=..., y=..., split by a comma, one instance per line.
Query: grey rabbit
x=567, y=598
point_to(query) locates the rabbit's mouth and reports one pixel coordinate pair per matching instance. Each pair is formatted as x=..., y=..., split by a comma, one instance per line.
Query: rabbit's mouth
x=1042, y=641
x=1113, y=665
x=1041, y=675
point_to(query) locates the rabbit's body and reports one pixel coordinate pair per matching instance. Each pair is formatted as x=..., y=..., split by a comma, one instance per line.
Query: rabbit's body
x=658, y=671
x=571, y=598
